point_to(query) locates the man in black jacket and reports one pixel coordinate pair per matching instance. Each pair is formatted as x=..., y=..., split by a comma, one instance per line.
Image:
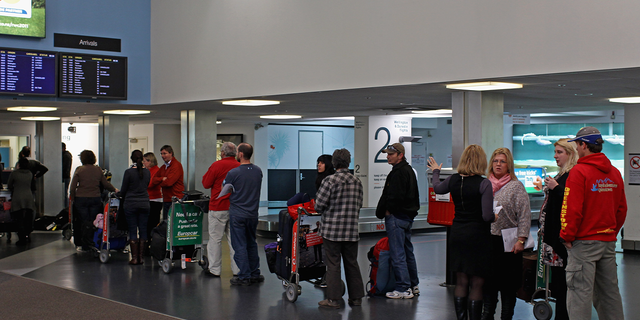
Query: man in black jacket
x=398, y=205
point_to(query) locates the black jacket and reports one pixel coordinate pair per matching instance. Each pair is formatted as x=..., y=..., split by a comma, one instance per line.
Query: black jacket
x=552, y=219
x=400, y=194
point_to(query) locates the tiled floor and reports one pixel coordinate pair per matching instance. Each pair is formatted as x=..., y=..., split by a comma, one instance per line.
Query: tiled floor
x=190, y=294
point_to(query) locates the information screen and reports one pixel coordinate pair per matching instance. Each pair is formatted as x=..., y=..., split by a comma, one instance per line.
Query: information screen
x=27, y=72
x=93, y=76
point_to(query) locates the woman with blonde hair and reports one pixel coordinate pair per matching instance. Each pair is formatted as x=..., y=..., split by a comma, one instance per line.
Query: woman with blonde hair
x=554, y=253
x=470, y=232
x=506, y=267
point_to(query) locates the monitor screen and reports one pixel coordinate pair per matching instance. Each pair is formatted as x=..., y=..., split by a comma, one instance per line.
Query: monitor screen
x=532, y=178
x=23, y=18
x=93, y=76
x=28, y=72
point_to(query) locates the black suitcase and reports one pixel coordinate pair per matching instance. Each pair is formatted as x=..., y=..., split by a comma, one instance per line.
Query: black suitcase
x=158, y=245
x=284, y=255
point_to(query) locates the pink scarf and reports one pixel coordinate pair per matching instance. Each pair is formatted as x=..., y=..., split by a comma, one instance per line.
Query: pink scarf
x=497, y=184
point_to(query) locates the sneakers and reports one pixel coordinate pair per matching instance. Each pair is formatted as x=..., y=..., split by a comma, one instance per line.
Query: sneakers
x=259, y=278
x=400, y=295
x=415, y=290
x=235, y=281
x=208, y=272
x=329, y=303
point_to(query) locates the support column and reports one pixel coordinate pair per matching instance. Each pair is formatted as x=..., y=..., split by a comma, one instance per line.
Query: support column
x=113, y=141
x=198, y=137
x=48, y=150
x=476, y=119
x=631, y=239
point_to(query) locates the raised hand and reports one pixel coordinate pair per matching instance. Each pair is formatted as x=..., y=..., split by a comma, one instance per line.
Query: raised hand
x=433, y=165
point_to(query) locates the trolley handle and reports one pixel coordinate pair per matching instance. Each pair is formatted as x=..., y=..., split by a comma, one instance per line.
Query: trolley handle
x=301, y=210
x=182, y=203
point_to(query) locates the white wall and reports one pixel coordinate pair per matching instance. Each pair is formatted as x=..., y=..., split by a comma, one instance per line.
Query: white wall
x=143, y=131
x=85, y=138
x=164, y=134
x=252, y=48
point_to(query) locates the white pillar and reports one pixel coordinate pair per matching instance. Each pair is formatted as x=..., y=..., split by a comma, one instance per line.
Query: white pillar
x=48, y=150
x=113, y=140
x=631, y=239
x=198, y=143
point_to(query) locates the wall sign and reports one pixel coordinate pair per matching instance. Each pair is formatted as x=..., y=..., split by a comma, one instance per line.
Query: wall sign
x=86, y=42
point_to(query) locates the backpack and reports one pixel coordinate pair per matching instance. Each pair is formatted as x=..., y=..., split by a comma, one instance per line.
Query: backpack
x=381, y=276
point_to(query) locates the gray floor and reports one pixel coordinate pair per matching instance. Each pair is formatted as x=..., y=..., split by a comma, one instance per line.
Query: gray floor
x=189, y=294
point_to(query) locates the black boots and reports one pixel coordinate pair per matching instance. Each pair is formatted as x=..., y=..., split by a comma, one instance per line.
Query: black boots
x=460, y=304
x=507, y=307
x=490, y=303
x=475, y=310
x=134, y=245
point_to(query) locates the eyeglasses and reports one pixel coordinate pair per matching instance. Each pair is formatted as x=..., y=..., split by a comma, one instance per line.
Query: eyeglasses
x=499, y=161
x=392, y=148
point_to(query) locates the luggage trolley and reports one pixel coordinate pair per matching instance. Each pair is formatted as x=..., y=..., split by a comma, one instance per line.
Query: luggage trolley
x=103, y=249
x=541, y=296
x=184, y=228
x=294, y=266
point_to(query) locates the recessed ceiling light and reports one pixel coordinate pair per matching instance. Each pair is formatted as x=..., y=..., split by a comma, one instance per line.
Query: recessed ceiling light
x=218, y=122
x=127, y=112
x=250, y=103
x=40, y=118
x=440, y=113
x=32, y=109
x=281, y=116
x=626, y=100
x=484, y=86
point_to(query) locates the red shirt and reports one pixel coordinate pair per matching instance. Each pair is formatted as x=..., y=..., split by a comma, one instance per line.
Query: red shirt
x=213, y=179
x=174, y=184
x=154, y=191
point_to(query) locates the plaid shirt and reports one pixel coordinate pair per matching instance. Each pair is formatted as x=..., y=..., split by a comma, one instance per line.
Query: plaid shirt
x=339, y=200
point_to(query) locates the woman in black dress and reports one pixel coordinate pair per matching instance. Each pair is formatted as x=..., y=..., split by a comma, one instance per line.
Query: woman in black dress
x=470, y=232
x=554, y=252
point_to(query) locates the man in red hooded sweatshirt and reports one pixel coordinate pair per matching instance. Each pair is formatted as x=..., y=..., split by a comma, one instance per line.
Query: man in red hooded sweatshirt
x=593, y=211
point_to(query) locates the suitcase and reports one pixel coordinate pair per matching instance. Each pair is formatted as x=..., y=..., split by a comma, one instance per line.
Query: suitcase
x=284, y=254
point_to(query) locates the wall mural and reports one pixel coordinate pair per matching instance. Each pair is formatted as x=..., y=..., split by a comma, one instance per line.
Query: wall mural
x=279, y=144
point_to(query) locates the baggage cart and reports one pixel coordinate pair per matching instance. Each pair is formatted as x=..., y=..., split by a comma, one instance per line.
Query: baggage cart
x=184, y=229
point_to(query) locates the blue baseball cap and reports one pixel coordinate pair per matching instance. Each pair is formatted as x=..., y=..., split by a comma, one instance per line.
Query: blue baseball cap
x=588, y=135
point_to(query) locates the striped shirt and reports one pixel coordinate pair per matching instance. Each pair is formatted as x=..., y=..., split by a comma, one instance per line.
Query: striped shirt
x=339, y=200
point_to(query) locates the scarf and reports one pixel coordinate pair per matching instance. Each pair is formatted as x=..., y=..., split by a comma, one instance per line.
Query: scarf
x=497, y=184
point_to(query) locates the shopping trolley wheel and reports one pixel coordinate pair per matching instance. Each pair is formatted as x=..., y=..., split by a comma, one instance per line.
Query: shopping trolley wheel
x=204, y=263
x=167, y=264
x=104, y=255
x=67, y=233
x=542, y=310
x=292, y=292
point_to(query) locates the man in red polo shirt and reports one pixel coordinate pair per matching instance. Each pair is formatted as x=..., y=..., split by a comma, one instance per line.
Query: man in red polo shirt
x=219, y=209
x=170, y=177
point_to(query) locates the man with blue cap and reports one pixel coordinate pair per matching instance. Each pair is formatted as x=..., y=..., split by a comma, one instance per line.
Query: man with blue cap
x=593, y=211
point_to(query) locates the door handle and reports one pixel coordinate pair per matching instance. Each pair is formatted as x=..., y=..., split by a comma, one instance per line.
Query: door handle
x=301, y=177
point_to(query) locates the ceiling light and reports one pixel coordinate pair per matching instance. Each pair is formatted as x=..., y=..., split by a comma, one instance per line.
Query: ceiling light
x=40, y=118
x=218, y=122
x=626, y=100
x=250, y=103
x=281, y=116
x=127, y=112
x=32, y=109
x=484, y=86
x=440, y=113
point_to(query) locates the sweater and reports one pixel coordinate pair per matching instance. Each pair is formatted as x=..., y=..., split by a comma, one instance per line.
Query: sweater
x=134, y=188
x=516, y=211
x=213, y=180
x=20, y=185
x=594, y=205
x=86, y=182
x=154, y=191
x=400, y=194
x=174, y=184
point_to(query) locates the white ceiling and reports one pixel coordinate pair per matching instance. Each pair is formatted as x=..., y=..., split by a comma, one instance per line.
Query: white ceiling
x=582, y=91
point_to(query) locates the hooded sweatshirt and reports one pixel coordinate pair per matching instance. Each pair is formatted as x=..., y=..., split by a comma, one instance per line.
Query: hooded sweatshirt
x=594, y=205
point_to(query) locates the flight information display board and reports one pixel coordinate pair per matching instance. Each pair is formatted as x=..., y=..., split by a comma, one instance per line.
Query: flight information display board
x=93, y=76
x=27, y=72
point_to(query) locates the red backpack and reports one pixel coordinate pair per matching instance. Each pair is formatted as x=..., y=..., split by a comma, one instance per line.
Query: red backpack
x=381, y=276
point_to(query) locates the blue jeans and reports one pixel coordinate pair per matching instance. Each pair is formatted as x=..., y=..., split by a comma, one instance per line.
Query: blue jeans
x=403, y=261
x=243, y=241
x=137, y=218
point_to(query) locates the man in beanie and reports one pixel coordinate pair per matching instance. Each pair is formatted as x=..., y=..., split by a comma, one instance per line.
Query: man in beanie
x=398, y=205
x=593, y=211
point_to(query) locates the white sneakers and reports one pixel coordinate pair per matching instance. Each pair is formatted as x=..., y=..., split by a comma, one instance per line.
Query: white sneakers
x=401, y=295
x=415, y=290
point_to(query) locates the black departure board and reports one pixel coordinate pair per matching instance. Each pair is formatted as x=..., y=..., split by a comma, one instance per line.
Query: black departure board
x=27, y=72
x=93, y=76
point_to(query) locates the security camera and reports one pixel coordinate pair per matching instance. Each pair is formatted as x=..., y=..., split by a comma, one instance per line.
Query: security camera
x=410, y=138
x=72, y=128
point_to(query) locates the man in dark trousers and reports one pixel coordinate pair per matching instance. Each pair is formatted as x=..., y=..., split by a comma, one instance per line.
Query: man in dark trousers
x=339, y=199
x=219, y=209
x=593, y=211
x=398, y=205
x=245, y=182
x=67, y=160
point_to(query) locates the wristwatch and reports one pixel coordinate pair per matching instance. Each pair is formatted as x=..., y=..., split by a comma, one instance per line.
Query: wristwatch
x=520, y=241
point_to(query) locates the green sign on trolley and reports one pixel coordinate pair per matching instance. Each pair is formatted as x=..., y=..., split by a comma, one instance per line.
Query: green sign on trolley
x=185, y=223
